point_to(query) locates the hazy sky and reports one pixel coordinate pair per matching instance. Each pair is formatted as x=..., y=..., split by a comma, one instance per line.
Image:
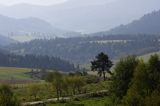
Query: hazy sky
x=37, y=2
x=47, y=2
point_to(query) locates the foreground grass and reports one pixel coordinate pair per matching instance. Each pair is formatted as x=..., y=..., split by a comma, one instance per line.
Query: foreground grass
x=101, y=101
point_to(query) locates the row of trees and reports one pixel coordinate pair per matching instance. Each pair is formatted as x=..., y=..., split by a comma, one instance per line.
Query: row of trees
x=136, y=83
x=66, y=84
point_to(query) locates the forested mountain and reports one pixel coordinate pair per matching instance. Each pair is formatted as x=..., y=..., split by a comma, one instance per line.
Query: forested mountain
x=148, y=24
x=27, y=27
x=83, y=49
x=6, y=41
x=32, y=61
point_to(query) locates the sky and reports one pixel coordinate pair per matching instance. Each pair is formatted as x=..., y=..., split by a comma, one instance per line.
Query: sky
x=45, y=2
x=36, y=2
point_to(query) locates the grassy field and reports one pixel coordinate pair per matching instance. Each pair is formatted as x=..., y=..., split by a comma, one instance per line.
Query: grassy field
x=10, y=73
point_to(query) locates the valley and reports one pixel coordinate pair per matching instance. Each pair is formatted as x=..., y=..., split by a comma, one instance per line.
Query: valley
x=79, y=53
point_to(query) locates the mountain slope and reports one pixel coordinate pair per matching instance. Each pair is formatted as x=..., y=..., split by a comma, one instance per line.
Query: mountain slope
x=148, y=24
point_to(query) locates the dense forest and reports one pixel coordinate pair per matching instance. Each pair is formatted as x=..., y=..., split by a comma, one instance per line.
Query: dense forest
x=83, y=49
x=32, y=61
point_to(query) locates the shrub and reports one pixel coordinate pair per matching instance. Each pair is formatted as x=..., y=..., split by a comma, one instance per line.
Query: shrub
x=7, y=98
x=74, y=104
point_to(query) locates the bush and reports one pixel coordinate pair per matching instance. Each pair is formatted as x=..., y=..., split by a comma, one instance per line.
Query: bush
x=92, y=79
x=7, y=98
x=74, y=104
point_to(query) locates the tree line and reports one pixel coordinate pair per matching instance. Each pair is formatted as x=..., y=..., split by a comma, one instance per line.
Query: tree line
x=136, y=83
x=35, y=61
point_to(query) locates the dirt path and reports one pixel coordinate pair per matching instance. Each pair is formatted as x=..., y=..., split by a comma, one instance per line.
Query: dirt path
x=99, y=93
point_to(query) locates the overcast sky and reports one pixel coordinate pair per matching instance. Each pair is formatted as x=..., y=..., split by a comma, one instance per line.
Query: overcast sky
x=48, y=2
x=37, y=2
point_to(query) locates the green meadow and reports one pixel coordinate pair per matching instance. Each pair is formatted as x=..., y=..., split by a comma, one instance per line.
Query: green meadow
x=10, y=73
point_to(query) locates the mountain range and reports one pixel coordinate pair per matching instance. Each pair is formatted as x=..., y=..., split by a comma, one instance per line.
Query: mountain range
x=27, y=29
x=86, y=16
x=148, y=24
x=74, y=15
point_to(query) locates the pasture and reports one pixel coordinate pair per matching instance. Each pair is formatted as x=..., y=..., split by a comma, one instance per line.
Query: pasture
x=10, y=74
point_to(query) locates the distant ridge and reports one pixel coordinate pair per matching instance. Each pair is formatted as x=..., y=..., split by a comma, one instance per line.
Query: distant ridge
x=148, y=24
x=30, y=27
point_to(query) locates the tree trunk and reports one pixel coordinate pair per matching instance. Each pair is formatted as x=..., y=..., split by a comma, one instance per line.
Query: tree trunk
x=79, y=91
x=57, y=94
x=35, y=97
x=104, y=76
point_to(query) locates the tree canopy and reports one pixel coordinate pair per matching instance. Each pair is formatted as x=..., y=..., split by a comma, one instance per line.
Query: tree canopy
x=101, y=64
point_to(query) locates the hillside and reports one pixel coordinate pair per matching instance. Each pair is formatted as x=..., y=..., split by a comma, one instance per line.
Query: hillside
x=148, y=24
x=83, y=49
x=6, y=41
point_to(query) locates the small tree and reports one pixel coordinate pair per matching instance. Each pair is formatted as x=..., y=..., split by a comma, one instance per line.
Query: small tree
x=75, y=83
x=34, y=90
x=79, y=83
x=102, y=64
x=56, y=79
x=7, y=98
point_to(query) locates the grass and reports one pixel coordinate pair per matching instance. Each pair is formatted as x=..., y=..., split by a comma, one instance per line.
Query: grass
x=10, y=73
x=102, y=85
x=103, y=101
